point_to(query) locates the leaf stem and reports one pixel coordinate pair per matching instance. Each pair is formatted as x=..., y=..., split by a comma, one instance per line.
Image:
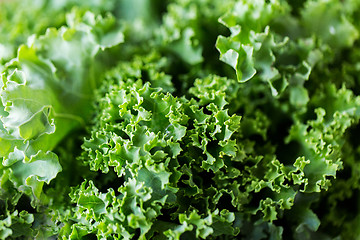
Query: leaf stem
x=72, y=117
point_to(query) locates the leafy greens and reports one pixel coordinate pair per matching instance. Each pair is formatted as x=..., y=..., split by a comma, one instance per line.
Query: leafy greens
x=179, y=119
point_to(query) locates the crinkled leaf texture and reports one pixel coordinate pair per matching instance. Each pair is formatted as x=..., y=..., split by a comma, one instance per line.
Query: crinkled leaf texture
x=180, y=159
x=179, y=144
x=45, y=94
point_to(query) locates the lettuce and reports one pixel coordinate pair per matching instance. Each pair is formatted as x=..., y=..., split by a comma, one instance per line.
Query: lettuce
x=179, y=119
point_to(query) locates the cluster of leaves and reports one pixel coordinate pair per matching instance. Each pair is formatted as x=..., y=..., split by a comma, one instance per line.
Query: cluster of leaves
x=179, y=119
